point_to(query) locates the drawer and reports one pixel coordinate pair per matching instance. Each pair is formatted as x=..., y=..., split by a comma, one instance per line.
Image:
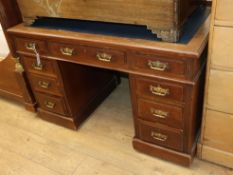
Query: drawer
x=218, y=130
x=27, y=45
x=47, y=67
x=51, y=103
x=162, y=113
x=220, y=96
x=68, y=51
x=161, y=135
x=222, y=47
x=106, y=57
x=102, y=57
x=45, y=84
x=224, y=10
x=156, y=65
x=154, y=90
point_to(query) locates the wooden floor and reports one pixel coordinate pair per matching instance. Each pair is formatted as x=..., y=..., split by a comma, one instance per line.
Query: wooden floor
x=102, y=146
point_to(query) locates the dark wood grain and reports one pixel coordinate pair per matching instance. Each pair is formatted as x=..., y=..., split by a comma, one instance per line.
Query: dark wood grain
x=83, y=85
x=13, y=84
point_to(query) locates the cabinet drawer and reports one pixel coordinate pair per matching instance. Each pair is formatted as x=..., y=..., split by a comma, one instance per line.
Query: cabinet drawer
x=220, y=96
x=224, y=10
x=156, y=89
x=44, y=84
x=162, y=113
x=52, y=104
x=103, y=57
x=27, y=45
x=156, y=65
x=218, y=130
x=47, y=67
x=68, y=51
x=161, y=135
x=222, y=51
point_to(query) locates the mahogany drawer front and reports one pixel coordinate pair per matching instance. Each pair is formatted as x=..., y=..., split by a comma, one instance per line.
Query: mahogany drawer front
x=45, y=84
x=161, y=135
x=154, y=90
x=224, y=10
x=28, y=45
x=47, y=67
x=67, y=51
x=162, y=113
x=104, y=57
x=51, y=103
x=155, y=65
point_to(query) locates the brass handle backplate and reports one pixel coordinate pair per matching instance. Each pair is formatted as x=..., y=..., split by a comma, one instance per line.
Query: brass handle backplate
x=67, y=51
x=104, y=57
x=30, y=46
x=157, y=65
x=159, y=136
x=43, y=84
x=159, y=113
x=159, y=91
x=37, y=67
x=50, y=105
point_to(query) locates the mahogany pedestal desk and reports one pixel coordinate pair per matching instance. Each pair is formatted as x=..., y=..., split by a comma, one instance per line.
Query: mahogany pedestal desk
x=166, y=80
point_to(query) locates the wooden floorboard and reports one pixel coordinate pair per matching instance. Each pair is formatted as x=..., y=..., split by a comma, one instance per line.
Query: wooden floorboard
x=103, y=144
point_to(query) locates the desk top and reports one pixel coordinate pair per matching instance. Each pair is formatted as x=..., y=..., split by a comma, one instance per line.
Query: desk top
x=192, y=49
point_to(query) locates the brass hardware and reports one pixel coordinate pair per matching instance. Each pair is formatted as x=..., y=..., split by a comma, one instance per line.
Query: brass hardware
x=50, y=105
x=157, y=65
x=159, y=113
x=104, y=57
x=31, y=46
x=67, y=51
x=18, y=66
x=158, y=90
x=159, y=136
x=37, y=67
x=44, y=84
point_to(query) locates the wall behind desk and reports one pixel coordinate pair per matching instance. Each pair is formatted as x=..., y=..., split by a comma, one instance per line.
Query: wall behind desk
x=4, y=50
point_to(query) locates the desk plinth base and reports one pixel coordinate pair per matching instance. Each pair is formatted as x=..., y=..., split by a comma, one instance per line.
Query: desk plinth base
x=57, y=119
x=163, y=153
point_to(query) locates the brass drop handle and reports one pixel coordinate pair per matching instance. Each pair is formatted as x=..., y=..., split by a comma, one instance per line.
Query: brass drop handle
x=158, y=136
x=67, y=51
x=30, y=46
x=37, y=67
x=159, y=113
x=157, y=65
x=43, y=84
x=104, y=57
x=50, y=105
x=159, y=91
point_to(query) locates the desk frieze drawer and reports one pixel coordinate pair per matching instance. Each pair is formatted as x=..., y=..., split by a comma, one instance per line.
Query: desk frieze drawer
x=45, y=84
x=161, y=135
x=159, y=112
x=159, y=90
x=67, y=51
x=47, y=67
x=26, y=45
x=51, y=103
x=156, y=65
x=86, y=54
